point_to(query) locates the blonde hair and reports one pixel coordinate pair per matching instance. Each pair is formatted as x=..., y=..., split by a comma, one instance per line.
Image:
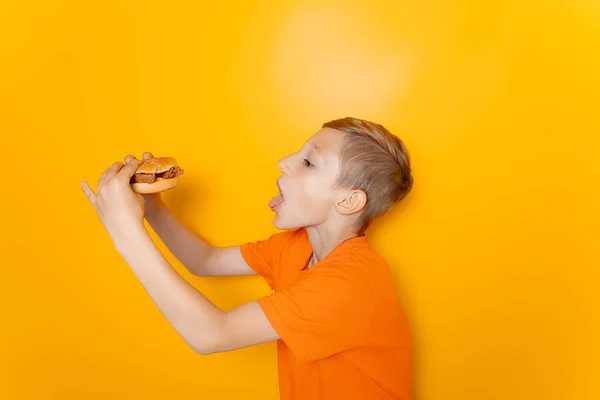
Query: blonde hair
x=374, y=160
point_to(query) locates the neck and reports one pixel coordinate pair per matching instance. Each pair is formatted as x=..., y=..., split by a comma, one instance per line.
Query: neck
x=323, y=241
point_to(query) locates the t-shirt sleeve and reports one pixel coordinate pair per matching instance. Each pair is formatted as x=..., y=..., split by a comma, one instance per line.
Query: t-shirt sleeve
x=327, y=312
x=262, y=255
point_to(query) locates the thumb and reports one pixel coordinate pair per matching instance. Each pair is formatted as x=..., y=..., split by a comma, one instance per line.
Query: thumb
x=89, y=193
x=129, y=169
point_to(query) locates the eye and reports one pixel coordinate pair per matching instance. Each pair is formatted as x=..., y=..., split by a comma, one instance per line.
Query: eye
x=308, y=163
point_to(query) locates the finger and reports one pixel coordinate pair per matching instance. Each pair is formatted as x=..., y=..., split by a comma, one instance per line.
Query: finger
x=147, y=155
x=112, y=171
x=103, y=177
x=129, y=157
x=89, y=193
x=128, y=170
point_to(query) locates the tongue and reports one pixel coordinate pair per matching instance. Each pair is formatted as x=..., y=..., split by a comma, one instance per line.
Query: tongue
x=276, y=201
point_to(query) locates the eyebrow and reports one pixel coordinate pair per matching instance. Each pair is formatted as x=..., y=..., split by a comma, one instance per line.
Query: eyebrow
x=317, y=148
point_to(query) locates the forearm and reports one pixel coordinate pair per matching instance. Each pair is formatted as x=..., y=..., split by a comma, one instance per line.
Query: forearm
x=192, y=315
x=188, y=247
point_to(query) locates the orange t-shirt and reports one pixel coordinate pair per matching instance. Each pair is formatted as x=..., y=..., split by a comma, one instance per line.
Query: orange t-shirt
x=344, y=334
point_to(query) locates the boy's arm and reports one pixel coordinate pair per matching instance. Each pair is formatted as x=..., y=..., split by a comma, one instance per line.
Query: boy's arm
x=195, y=253
x=205, y=327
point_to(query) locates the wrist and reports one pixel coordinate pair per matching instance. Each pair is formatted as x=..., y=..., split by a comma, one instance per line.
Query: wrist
x=152, y=205
x=129, y=237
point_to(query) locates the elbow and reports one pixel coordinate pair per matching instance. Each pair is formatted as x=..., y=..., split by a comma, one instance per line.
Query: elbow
x=208, y=341
x=205, y=345
x=204, y=349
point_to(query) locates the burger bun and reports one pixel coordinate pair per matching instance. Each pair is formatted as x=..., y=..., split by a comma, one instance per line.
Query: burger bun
x=160, y=185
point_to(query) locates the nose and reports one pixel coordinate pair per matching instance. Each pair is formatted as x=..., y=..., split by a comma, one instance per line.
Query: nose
x=280, y=166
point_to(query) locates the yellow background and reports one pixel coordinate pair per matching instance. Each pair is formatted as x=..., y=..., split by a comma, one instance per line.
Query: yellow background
x=495, y=252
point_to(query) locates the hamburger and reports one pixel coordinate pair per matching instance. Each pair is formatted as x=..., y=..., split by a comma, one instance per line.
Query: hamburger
x=156, y=174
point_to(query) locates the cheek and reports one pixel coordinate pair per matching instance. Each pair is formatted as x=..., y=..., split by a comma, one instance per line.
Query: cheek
x=313, y=195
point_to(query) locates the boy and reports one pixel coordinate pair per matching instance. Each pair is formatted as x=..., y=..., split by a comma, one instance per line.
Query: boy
x=341, y=331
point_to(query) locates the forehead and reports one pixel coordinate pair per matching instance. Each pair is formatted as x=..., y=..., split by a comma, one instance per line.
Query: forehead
x=328, y=140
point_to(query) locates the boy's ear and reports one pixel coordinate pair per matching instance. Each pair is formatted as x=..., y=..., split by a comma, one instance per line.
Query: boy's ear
x=353, y=202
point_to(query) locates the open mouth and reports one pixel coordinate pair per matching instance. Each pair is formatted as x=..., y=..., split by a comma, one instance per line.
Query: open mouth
x=277, y=200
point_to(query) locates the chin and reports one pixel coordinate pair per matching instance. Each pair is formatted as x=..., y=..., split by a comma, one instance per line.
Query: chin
x=279, y=223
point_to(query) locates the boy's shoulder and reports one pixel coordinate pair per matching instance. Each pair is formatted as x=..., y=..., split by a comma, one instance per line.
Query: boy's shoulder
x=354, y=252
x=287, y=238
x=290, y=234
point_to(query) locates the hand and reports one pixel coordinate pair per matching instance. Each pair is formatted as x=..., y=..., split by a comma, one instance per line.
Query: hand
x=117, y=205
x=152, y=199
